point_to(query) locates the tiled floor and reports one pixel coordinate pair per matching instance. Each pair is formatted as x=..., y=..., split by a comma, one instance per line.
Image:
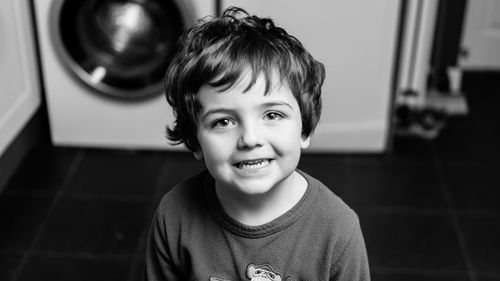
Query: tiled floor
x=429, y=210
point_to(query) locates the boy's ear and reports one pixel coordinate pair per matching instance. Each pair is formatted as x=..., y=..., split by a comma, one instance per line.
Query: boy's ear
x=198, y=155
x=305, y=142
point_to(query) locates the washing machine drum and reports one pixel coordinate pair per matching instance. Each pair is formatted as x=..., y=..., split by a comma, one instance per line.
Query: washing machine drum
x=119, y=48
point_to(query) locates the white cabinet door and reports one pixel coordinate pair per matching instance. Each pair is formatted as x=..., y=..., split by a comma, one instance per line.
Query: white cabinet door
x=356, y=40
x=19, y=87
x=481, y=35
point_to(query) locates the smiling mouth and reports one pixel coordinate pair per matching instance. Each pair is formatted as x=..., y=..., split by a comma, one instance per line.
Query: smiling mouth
x=253, y=164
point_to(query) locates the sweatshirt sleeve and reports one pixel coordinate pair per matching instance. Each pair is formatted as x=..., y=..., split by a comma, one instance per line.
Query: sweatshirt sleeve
x=352, y=265
x=159, y=263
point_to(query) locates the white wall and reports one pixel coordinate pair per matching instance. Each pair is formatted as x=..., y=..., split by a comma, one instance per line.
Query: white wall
x=356, y=40
x=19, y=86
x=481, y=36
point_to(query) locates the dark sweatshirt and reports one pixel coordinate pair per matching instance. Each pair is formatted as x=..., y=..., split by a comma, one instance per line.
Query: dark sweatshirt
x=192, y=238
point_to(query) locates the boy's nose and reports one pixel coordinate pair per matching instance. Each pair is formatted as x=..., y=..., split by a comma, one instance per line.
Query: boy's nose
x=250, y=136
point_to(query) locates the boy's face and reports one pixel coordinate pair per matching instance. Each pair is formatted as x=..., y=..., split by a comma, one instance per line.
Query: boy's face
x=251, y=142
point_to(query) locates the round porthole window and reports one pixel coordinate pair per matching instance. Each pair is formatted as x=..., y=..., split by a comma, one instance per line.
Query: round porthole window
x=119, y=48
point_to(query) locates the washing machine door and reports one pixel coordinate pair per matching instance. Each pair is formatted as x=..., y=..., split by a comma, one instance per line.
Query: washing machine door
x=120, y=48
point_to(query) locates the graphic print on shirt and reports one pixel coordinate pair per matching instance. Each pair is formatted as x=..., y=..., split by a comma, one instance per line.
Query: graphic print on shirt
x=259, y=273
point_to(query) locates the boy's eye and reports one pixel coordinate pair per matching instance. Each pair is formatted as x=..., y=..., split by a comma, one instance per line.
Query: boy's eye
x=222, y=123
x=273, y=116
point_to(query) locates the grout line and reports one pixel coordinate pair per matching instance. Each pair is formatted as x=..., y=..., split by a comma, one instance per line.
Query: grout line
x=129, y=198
x=71, y=171
x=79, y=255
x=387, y=210
x=438, y=166
x=132, y=198
x=417, y=271
x=138, y=256
x=12, y=252
x=490, y=275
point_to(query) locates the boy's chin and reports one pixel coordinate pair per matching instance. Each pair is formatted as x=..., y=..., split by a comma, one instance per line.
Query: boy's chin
x=257, y=184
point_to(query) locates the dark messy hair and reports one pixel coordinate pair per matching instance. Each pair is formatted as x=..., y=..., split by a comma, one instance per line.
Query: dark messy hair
x=217, y=52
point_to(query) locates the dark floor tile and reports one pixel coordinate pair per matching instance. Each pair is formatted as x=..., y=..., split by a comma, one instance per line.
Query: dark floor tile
x=483, y=107
x=418, y=276
x=409, y=150
x=116, y=173
x=481, y=91
x=475, y=125
x=473, y=138
x=473, y=186
x=481, y=83
x=20, y=219
x=411, y=242
x=467, y=147
x=95, y=226
x=43, y=170
x=392, y=185
x=8, y=265
x=74, y=269
x=482, y=232
x=138, y=271
x=330, y=169
x=178, y=167
x=488, y=277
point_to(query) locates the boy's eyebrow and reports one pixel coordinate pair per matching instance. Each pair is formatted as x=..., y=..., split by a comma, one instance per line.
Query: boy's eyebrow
x=233, y=111
x=217, y=110
x=276, y=103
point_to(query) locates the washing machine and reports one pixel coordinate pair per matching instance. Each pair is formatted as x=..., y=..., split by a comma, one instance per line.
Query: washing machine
x=103, y=63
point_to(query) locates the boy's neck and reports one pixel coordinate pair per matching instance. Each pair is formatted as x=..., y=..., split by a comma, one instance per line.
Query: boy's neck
x=254, y=210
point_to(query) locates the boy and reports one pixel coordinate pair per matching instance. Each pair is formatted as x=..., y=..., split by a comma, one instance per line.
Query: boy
x=246, y=97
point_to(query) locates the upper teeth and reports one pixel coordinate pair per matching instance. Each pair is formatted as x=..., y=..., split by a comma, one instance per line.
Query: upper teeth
x=253, y=164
